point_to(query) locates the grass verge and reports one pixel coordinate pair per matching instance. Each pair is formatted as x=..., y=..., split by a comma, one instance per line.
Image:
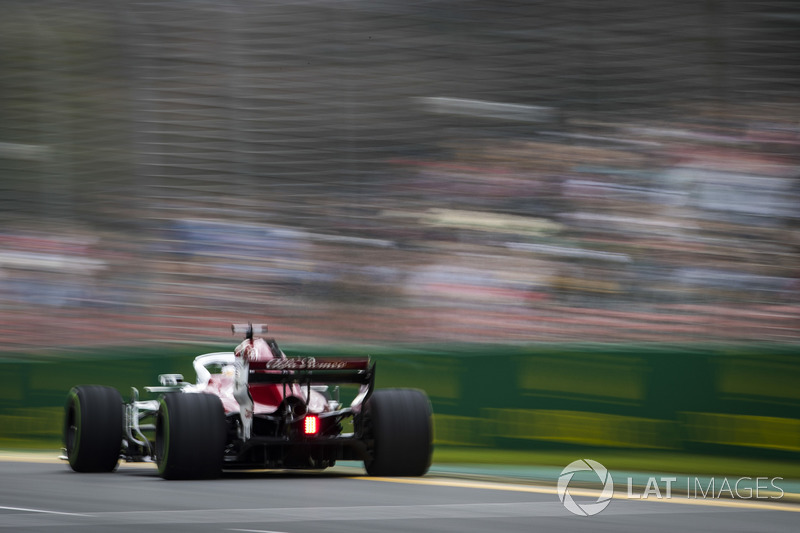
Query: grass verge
x=625, y=460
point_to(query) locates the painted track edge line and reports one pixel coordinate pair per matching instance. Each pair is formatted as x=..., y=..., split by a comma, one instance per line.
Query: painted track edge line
x=483, y=485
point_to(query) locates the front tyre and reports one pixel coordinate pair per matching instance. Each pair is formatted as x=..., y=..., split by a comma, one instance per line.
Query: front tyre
x=190, y=436
x=93, y=428
x=398, y=423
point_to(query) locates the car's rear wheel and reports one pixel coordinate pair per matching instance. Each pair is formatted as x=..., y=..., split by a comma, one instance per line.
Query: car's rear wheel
x=398, y=426
x=190, y=436
x=93, y=428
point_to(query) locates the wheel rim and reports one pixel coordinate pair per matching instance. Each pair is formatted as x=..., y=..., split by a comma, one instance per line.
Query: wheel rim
x=72, y=427
x=162, y=437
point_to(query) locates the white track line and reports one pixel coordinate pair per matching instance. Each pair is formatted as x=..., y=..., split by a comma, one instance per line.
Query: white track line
x=43, y=511
x=772, y=505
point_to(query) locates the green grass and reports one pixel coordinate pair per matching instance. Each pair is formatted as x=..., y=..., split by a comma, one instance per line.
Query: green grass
x=37, y=445
x=626, y=460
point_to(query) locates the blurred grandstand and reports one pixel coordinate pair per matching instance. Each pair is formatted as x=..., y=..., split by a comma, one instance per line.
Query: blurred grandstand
x=372, y=171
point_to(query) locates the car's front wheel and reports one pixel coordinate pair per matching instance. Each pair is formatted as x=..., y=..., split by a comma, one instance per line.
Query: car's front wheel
x=190, y=436
x=93, y=428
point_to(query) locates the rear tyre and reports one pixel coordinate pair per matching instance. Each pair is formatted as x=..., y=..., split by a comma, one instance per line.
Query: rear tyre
x=398, y=424
x=93, y=428
x=190, y=436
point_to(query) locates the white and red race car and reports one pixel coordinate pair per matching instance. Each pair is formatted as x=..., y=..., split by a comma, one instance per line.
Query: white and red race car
x=253, y=408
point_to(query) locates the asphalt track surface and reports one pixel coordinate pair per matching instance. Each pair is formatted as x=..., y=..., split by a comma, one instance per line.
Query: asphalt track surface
x=44, y=495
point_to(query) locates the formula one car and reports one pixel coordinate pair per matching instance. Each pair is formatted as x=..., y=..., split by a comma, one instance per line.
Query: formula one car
x=254, y=408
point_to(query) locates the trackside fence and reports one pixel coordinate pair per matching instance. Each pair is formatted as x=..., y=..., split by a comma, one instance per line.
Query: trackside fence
x=708, y=398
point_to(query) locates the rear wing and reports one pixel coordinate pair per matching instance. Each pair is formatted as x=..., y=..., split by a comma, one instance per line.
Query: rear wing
x=305, y=370
x=311, y=370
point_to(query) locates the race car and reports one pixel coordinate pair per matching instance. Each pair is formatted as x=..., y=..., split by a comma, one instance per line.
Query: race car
x=253, y=408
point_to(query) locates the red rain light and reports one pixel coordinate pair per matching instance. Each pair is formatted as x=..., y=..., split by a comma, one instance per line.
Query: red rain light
x=311, y=425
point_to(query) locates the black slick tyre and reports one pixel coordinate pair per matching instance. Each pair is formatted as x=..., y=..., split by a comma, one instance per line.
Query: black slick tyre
x=190, y=436
x=93, y=428
x=398, y=425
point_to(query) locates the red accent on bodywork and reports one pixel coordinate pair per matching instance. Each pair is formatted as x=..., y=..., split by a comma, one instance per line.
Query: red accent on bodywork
x=267, y=396
x=222, y=386
x=254, y=350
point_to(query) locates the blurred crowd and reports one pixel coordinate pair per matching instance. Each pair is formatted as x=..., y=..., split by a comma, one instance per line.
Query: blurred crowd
x=676, y=231
x=393, y=171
